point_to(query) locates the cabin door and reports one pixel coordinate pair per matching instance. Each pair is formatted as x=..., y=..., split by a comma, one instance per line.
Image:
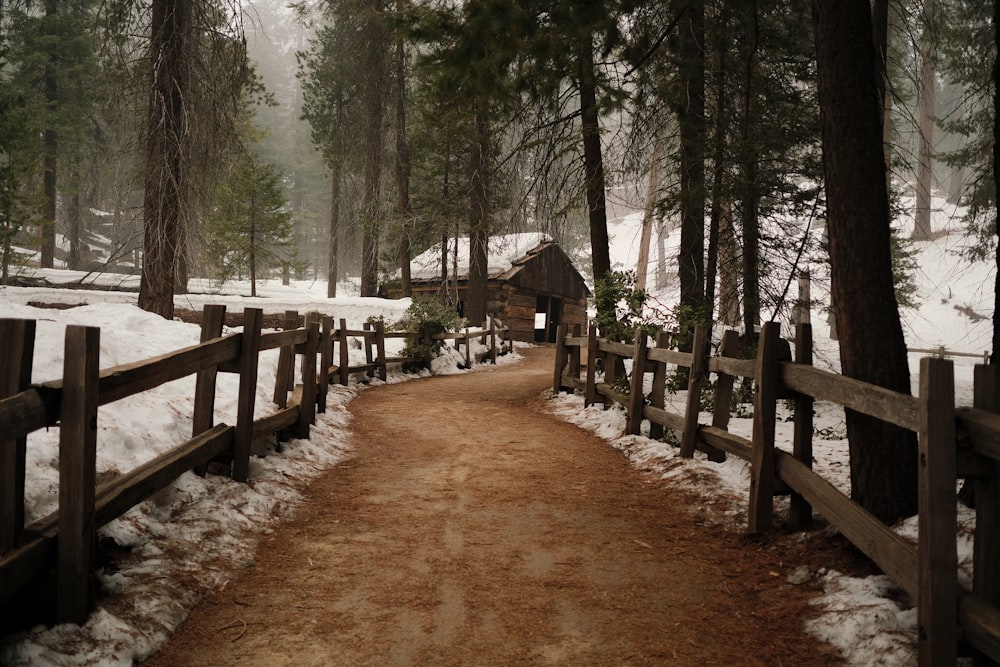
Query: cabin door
x=548, y=315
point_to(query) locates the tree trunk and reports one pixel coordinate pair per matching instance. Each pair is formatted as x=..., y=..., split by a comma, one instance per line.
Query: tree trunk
x=443, y=289
x=691, y=116
x=374, y=100
x=253, y=258
x=880, y=37
x=73, y=260
x=720, y=120
x=402, y=162
x=163, y=202
x=881, y=28
x=751, y=248
x=50, y=143
x=649, y=210
x=454, y=265
x=181, y=263
x=332, y=250
x=996, y=180
x=445, y=195
x=729, y=273
x=593, y=160
x=661, y=254
x=749, y=189
x=479, y=222
x=872, y=348
x=922, y=215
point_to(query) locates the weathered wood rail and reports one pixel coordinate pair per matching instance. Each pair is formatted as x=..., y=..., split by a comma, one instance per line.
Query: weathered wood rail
x=953, y=444
x=66, y=539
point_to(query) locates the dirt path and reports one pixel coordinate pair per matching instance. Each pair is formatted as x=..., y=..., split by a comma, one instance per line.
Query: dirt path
x=471, y=528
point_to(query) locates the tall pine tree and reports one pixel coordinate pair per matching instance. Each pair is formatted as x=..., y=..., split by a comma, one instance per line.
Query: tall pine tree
x=872, y=348
x=250, y=229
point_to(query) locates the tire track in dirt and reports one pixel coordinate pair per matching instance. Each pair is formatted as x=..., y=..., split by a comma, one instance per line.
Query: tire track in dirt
x=472, y=528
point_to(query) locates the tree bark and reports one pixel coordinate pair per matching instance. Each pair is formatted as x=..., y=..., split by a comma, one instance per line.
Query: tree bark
x=253, y=257
x=479, y=222
x=332, y=247
x=872, y=347
x=720, y=122
x=649, y=210
x=996, y=180
x=50, y=143
x=922, y=215
x=73, y=215
x=181, y=262
x=443, y=288
x=691, y=116
x=374, y=100
x=661, y=254
x=881, y=28
x=729, y=296
x=593, y=159
x=749, y=190
x=405, y=211
x=164, y=200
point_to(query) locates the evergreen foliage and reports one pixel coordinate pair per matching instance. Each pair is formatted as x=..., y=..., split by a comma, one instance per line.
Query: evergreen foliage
x=17, y=150
x=966, y=46
x=50, y=52
x=622, y=309
x=249, y=231
x=427, y=317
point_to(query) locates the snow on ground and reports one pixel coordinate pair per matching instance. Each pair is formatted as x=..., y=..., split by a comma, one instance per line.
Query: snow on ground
x=173, y=560
x=863, y=617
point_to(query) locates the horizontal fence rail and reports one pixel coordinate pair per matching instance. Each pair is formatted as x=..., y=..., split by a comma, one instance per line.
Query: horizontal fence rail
x=66, y=539
x=953, y=444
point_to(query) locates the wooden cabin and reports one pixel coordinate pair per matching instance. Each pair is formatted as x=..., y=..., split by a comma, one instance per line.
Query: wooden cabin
x=533, y=286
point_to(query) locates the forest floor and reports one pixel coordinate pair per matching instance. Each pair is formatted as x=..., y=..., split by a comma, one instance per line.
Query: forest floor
x=471, y=527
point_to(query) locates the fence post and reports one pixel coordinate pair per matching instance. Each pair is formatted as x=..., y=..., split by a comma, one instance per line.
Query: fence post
x=561, y=358
x=724, y=382
x=77, y=474
x=468, y=348
x=800, y=511
x=345, y=360
x=611, y=363
x=380, y=359
x=307, y=408
x=325, y=360
x=986, y=548
x=284, y=377
x=937, y=610
x=249, y=353
x=590, y=392
x=369, y=342
x=212, y=319
x=17, y=349
x=696, y=378
x=493, y=341
x=658, y=393
x=636, y=399
x=574, y=356
x=762, y=481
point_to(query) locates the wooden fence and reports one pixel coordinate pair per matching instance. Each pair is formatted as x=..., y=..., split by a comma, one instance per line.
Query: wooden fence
x=953, y=444
x=66, y=539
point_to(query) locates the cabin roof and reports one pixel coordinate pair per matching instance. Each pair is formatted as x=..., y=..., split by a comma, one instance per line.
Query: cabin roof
x=504, y=252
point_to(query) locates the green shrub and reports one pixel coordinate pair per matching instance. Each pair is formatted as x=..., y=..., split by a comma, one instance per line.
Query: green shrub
x=619, y=306
x=427, y=318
